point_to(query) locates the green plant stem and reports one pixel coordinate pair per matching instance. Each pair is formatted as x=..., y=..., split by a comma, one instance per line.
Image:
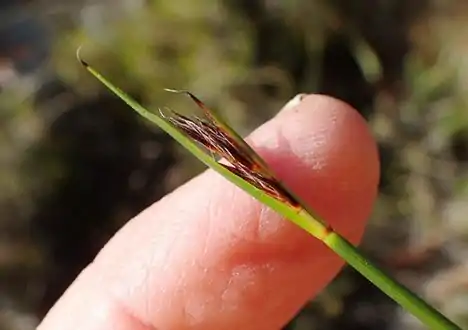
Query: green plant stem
x=304, y=218
x=402, y=295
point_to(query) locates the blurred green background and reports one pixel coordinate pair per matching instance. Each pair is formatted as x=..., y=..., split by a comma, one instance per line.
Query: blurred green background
x=76, y=163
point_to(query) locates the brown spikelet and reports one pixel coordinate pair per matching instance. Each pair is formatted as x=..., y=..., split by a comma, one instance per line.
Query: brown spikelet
x=235, y=158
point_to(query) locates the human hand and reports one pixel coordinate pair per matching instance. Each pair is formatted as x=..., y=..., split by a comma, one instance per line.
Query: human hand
x=208, y=256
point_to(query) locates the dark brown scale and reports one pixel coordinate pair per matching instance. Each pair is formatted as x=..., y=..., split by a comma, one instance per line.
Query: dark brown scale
x=230, y=146
x=196, y=130
x=200, y=104
x=248, y=160
x=212, y=138
x=239, y=162
x=270, y=186
x=283, y=194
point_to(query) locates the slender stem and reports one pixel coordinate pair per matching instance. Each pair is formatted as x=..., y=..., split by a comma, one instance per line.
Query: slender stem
x=402, y=295
x=306, y=219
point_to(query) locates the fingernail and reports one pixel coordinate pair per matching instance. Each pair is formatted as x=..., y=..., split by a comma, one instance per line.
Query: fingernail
x=294, y=102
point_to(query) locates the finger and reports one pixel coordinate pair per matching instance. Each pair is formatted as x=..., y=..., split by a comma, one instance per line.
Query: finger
x=208, y=256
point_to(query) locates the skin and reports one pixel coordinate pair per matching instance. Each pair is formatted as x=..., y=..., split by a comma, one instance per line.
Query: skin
x=208, y=256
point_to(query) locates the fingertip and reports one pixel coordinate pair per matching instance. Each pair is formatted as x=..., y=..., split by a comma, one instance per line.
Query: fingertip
x=324, y=149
